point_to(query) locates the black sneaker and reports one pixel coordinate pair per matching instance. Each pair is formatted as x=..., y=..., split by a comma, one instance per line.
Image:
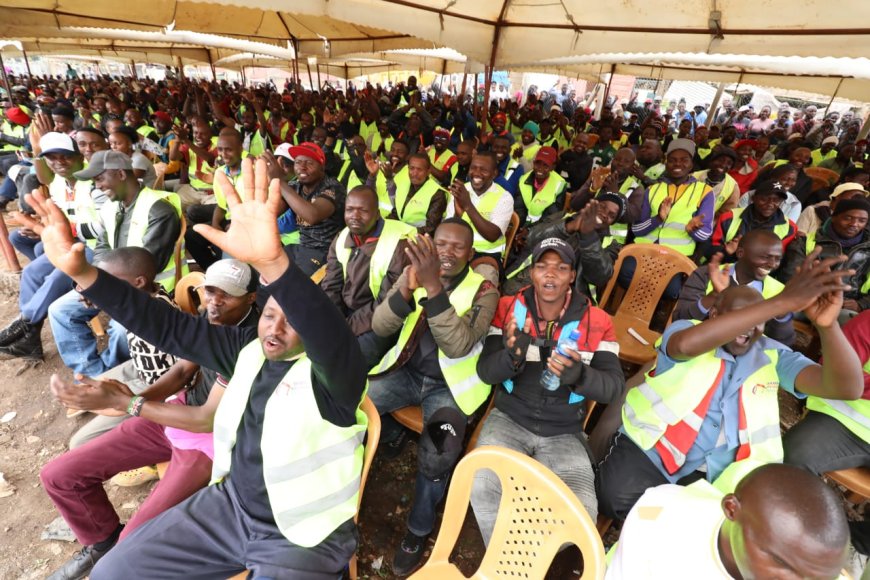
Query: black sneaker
x=408, y=554
x=28, y=346
x=80, y=565
x=13, y=331
x=394, y=448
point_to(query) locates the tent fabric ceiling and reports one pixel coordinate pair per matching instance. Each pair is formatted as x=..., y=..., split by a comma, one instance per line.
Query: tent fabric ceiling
x=504, y=32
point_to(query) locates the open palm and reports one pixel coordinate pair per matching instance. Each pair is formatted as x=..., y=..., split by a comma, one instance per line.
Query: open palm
x=253, y=233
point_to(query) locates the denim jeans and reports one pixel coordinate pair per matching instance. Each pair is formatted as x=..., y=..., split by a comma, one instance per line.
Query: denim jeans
x=564, y=455
x=406, y=387
x=42, y=284
x=77, y=344
x=30, y=247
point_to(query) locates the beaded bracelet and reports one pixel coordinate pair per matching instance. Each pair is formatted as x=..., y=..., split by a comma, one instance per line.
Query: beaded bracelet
x=135, y=406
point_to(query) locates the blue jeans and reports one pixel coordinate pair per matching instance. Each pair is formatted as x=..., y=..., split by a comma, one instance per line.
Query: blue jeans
x=565, y=455
x=30, y=247
x=406, y=387
x=8, y=190
x=41, y=284
x=77, y=344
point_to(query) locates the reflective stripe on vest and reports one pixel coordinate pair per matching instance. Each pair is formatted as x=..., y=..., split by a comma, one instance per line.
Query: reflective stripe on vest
x=204, y=168
x=854, y=415
x=385, y=204
x=538, y=201
x=485, y=206
x=139, y=227
x=348, y=177
x=16, y=131
x=219, y=197
x=392, y=232
x=769, y=286
x=781, y=230
x=80, y=210
x=439, y=161
x=313, y=484
x=511, y=167
x=146, y=131
x=467, y=389
x=377, y=139
x=722, y=190
x=413, y=211
x=619, y=230
x=670, y=398
x=672, y=232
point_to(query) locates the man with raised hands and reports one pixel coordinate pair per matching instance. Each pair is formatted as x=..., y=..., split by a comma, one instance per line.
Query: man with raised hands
x=277, y=510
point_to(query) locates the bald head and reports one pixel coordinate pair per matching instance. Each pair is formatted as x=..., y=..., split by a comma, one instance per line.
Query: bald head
x=756, y=237
x=783, y=521
x=736, y=297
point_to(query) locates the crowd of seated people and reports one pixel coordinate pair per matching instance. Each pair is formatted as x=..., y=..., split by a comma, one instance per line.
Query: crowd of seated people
x=422, y=250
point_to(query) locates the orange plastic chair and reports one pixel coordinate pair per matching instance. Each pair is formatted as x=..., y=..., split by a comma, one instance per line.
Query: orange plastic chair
x=856, y=481
x=656, y=265
x=538, y=514
x=373, y=436
x=188, y=292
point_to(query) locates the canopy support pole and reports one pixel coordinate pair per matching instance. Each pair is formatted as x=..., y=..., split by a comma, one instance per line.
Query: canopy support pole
x=607, y=87
x=496, y=37
x=346, y=78
x=310, y=79
x=713, y=112
x=27, y=64
x=464, y=85
x=319, y=82
x=834, y=96
x=211, y=66
x=5, y=78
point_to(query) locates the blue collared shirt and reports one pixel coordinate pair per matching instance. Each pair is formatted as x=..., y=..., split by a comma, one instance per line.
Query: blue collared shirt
x=716, y=445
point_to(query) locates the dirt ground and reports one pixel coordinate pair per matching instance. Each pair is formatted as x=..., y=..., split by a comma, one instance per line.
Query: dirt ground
x=40, y=431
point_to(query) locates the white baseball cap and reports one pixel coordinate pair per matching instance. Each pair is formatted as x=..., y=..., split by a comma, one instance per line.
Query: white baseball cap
x=57, y=143
x=283, y=150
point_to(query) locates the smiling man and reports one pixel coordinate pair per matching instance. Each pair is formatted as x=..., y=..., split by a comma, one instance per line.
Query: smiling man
x=678, y=210
x=759, y=253
x=709, y=408
x=441, y=309
x=278, y=510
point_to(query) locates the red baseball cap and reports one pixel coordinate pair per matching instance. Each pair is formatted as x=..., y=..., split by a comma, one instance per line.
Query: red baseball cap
x=310, y=150
x=17, y=116
x=162, y=115
x=548, y=155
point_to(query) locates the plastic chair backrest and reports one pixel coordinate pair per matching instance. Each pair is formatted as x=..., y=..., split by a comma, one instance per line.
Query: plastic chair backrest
x=509, y=236
x=537, y=515
x=187, y=295
x=318, y=276
x=656, y=265
x=178, y=254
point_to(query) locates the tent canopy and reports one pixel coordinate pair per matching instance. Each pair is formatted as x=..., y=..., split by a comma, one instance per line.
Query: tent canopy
x=501, y=33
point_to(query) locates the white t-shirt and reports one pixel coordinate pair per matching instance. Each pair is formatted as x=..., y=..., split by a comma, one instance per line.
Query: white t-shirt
x=500, y=216
x=671, y=534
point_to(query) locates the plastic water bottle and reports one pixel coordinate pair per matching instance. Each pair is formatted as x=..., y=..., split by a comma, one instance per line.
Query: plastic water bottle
x=566, y=342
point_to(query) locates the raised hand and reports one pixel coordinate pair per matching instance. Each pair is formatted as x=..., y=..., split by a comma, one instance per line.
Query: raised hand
x=63, y=250
x=696, y=223
x=253, y=233
x=517, y=341
x=720, y=277
x=817, y=289
x=587, y=220
x=425, y=264
x=731, y=245
x=665, y=209
x=371, y=163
